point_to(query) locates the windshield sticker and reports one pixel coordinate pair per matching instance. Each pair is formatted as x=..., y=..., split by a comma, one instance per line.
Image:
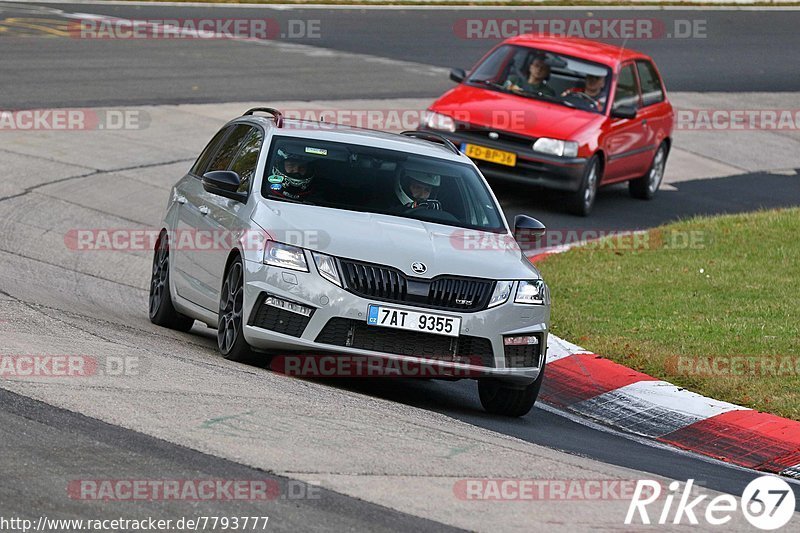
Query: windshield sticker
x=276, y=186
x=316, y=151
x=275, y=179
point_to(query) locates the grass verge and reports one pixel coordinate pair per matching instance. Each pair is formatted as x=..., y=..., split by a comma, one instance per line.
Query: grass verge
x=710, y=304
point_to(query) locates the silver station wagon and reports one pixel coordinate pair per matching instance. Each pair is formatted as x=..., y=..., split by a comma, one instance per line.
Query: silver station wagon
x=292, y=237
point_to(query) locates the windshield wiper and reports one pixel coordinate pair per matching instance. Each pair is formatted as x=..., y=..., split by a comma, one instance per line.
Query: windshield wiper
x=491, y=83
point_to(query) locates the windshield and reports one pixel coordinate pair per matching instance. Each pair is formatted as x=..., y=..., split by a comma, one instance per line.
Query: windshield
x=545, y=75
x=373, y=180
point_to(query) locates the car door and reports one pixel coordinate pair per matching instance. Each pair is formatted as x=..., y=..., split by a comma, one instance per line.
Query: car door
x=655, y=111
x=227, y=217
x=625, y=142
x=186, y=220
x=196, y=238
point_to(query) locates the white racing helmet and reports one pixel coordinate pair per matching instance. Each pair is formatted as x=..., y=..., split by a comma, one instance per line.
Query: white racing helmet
x=403, y=182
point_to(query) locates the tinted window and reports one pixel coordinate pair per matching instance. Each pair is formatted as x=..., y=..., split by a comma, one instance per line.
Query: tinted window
x=230, y=147
x=247, y=159
x=652, y=92
x=374, y=180
x=202, y=162
x=627, y=91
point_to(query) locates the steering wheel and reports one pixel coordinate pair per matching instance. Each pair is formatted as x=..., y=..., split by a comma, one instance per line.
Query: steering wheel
x=428, y=204
x=589, y=99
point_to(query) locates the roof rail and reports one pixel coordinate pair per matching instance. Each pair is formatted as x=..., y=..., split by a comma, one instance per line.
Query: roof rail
x=274, y=112
x=433, y=137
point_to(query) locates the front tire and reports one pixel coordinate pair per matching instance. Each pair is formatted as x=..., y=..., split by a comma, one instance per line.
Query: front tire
x=162, y=312
x=230, y=337
x=500, y=399
x=581, y=201
x=645, y=187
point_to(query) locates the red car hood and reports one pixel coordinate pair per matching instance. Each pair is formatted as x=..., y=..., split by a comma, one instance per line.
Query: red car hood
x=517, y=114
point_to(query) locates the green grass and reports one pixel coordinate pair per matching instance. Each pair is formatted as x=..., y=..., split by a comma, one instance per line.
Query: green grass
x=734, y=292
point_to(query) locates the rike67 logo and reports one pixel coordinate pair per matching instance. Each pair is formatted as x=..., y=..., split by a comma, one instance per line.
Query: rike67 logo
x=767, y=502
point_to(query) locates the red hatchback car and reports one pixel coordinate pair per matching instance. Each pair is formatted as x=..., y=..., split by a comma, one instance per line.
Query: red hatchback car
x=563, y=113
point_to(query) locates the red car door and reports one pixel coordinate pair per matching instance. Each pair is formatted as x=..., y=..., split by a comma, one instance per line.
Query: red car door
x=626, y=143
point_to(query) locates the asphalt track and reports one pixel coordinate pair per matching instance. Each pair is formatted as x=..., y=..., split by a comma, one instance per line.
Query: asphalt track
x=739, y=51
x=44, y=72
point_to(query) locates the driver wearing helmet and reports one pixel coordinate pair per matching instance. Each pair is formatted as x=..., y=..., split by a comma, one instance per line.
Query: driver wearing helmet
x=292, y=175
x=415, y=187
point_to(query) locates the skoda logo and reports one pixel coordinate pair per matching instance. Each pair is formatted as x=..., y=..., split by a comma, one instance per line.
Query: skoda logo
x=494, y=135
x=418, y=267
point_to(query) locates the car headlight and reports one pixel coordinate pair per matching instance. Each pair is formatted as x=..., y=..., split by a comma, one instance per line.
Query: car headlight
x=437, y=121
x=285, y=256
x=326, y=266
x=533, y=292
x=557, y=147
x=502, y=290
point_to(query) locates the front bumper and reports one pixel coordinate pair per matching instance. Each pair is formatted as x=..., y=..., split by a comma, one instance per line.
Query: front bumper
x=533, y=168
x=334, y=305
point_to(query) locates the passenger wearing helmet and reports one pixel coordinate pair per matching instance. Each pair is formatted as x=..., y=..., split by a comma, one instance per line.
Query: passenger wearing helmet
x=415, y=187
x=292, y=175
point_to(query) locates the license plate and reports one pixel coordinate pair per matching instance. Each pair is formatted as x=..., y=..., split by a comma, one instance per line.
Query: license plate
x=490, y=154
x=389, y=317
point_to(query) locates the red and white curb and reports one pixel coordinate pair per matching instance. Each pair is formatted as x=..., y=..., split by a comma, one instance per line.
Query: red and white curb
x=614, y=395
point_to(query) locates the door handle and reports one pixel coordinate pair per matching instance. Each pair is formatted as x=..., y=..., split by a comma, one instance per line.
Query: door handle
x=204, y=210
x=180, y=199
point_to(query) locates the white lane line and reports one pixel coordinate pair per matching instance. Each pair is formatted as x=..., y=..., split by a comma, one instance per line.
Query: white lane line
x=304, y=49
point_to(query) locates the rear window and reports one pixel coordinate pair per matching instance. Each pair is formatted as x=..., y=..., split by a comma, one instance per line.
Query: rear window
x=360, y=178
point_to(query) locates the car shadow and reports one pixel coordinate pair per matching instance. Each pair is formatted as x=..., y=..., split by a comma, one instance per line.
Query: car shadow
x=616, y=210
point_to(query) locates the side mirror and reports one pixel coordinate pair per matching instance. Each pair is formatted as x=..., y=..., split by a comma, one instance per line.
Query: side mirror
x=623, y=111
x=527, y=231
x=224, y=183
x=457, y=74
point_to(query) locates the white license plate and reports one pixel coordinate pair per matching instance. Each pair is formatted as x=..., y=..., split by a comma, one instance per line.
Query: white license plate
x=389, y=317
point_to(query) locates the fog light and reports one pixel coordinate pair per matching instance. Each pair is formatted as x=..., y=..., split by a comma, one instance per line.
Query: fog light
x=522, y=340
x=286, y=305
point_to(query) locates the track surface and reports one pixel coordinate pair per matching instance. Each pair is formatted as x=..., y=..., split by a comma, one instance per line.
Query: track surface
x=51, y=72
x=741, y=51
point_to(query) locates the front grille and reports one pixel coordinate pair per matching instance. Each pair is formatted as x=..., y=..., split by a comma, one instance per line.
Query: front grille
x=479, y=134
x=278, y=320
x=357, y=334
x=390, y=285
x=524, y=356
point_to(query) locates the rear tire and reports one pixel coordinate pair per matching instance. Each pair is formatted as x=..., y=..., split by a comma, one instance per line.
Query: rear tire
x=500, y=399
x=645, y=188
x=581, y=201
x=162, y=312
x=230, y=337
